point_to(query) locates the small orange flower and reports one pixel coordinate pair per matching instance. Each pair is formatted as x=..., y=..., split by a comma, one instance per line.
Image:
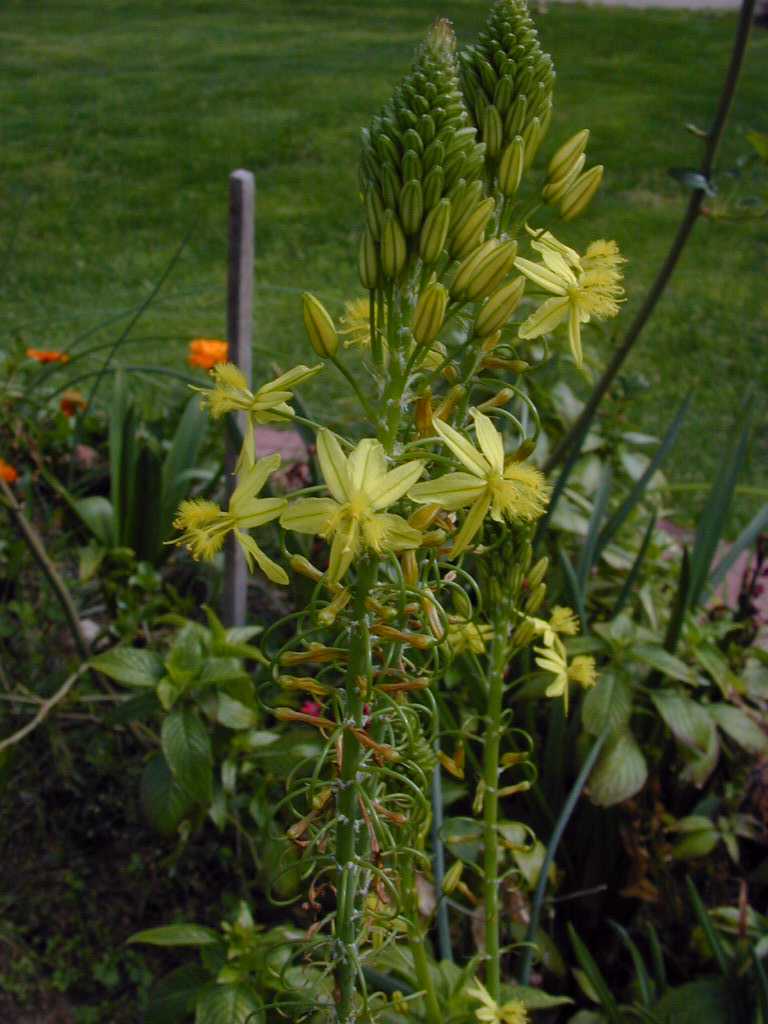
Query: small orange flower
x=47, y=355
x=206, y=353
x=72, y=402
x=8, y=473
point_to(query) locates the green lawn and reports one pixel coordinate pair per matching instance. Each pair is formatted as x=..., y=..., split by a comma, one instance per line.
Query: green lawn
x=123, y=118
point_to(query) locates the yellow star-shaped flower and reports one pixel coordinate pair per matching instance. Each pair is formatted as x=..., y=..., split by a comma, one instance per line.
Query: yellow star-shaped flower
x=206, y=525
x=513, y=1012
x=506, y=490
x=230, y=393
x=362, y=487
x=553, y=659
x=582, y=287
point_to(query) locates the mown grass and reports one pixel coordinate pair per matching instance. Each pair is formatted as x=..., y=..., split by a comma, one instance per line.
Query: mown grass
x=124, y=119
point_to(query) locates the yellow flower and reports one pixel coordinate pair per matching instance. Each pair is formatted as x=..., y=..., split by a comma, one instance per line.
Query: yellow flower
x=467, y=636
x=562, y=620
x=361, y=487
x=582, y=287
x=230, y=393
x=206, y=526
x=513, y=1012
x=508, y=491
x=553, y=659
x=356, y=323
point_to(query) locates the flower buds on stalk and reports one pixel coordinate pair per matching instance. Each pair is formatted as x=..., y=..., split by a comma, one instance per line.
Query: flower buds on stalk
x=393, y=248
x=485, y=274
x=429, y=314
x=472, y=226
x=319, y=326
x=511, y=166
x=435, y=232
x=499, y=308
x=368, y=261
x=567, y=155
x=411, y=206
x=580, y=194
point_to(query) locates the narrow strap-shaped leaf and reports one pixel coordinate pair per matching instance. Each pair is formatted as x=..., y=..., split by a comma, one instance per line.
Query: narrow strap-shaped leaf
x=643, y=978
x=595, y=976
x=574, y=588
x=679, y=604
x=623, y=512
x=714, y=517
x=634, y=572
x=589, y=551
x=746, y=538
x=762, y=987
x=565, y=473
x=657, y=959
x=718, y=952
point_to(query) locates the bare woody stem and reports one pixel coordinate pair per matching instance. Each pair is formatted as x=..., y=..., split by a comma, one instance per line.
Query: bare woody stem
x=348, y=869
x=681, y=238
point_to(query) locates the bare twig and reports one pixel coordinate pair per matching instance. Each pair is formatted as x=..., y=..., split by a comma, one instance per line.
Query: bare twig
x=45, y=709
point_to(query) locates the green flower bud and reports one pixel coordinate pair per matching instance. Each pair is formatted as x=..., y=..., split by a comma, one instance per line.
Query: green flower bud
x=538, y=572
x=515, y=118
x=567, y=155
x=412, y=166
x=411, y=206
x=511, y=166
x=426, y=128
x=386, y=149
x=465, y=202
x=554, y=191
x=434, y=155
x=319, y=326
x=499, y=308
x=374, y=212
x=434, y=232
x=412, y=140
x=429, y=314
x=493, y=131
x=580, y=194
x=368, y=261
x=393, y=248
x=481, y=274
x=532, y=138
x=474, y=224
x=433, y=187
x=390, y=186
x=536, y=599
x=503, y=94
x=468, y=267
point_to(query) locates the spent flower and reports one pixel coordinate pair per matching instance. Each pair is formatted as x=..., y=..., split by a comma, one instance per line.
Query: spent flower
x=512, y=1012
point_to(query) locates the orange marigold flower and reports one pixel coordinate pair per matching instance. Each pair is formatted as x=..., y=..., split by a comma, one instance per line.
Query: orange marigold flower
x=72, y=402
x=206, y=353
x=7, y=472
x=41, y=355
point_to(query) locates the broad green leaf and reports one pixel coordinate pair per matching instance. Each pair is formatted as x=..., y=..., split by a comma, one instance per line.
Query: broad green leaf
x=172, y=998
x=185, y=660
x=234, y=715
x=620, y=772
x=463, y=837
x=90, y=559
x=608, y=703
x=164, y=803
x=177, y=935
x=694, y=730
x=220, y=670
x=187, y=748
x=534, y=998
x=229, y=1004
x=664, y=662
x=139, y=708
x=704, y=1001
x=740, y=727
x=130, y=665
x=182, y=456
x=97, y=514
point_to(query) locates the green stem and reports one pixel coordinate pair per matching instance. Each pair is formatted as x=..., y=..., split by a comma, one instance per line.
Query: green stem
x=348, y=869
x=416, y=939
x=491, y=805
x=367, y=409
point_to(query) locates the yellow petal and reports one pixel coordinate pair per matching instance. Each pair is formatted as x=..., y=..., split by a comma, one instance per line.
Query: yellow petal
x=389, y=488
x=252, y=479
x=452, y=491
x=462, y=449
x=254, y=554
x=310, y=515
x=542, y=276
x=333, y=463
x=258, y=511
x=472, y=524
x=545, y=319
x=291, y=378
x=489, y=440
x=574, y=336
x=397, y=534
x=366, y=463
x=345, y=546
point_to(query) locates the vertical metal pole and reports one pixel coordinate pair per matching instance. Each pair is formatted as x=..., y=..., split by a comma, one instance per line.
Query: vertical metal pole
x=239, y=320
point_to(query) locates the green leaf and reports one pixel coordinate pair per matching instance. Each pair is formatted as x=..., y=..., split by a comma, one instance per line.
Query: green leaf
x=181, y=458
x=534, y=998
x=745, y=540
x=233, y=714
x=229, y=1004
x=164, y=803
x=759, y=142
x=185, y=659
x=693, y=728
x=135, y=709
x=607, y=704
x=187, y=748
x=172, y=998
x=220, y=670
x=130, y=666
x=664, y=662
x=590, y=552
x=463, y=837
x=177, y=935
x=597, y=982
x=704, y=1001
x=620, y=772
x=97, y=514
x=740, y=727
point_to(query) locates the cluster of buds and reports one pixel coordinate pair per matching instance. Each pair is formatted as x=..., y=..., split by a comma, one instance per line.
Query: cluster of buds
x=569, y=186
x=508, y=81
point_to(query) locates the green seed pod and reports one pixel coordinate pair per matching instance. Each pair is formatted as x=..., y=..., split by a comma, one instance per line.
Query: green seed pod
x=491, y=271
x=493, y=131
x=434, y=232
x=412, y=167
x=368, y=261
x=393, y=248
x=499, y=308
x=514, y=121
x=532, y=136
x=433, y=187
x=581, y=192
x=319, y=326
x=475, y=224
x=374, y=212
x=511, y=166
x=567, y=155
x=411, y=206
x=429, y=314
x=468, y=267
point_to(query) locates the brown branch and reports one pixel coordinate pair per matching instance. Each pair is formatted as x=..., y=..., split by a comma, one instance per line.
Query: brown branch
x=45, y=709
